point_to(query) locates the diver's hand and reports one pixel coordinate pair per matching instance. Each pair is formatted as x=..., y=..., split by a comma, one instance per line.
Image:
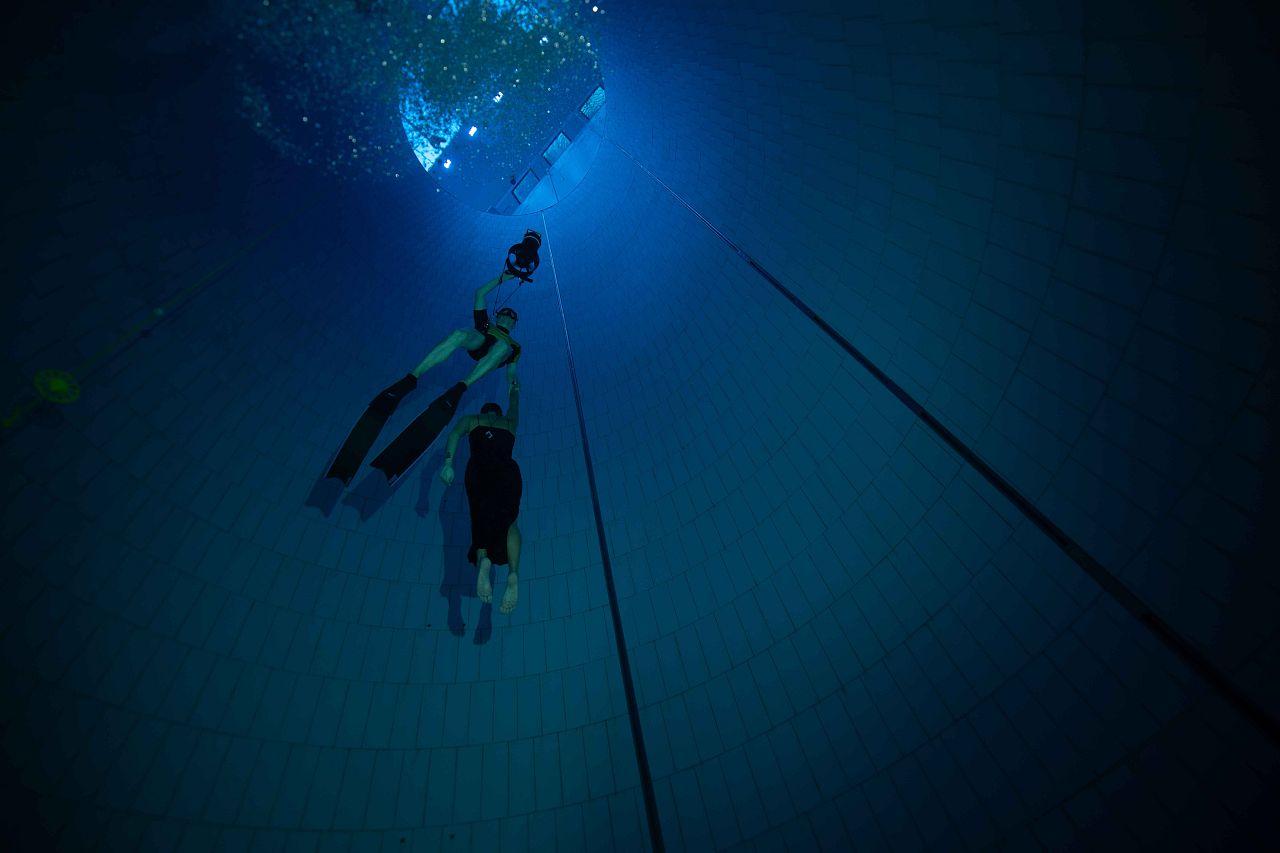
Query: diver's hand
x=446, y=474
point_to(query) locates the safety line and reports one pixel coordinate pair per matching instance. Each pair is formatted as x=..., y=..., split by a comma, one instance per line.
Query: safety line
x=624, y=661
x=1179, y=645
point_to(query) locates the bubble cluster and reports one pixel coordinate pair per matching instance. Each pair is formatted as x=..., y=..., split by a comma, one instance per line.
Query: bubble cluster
x=326, y=82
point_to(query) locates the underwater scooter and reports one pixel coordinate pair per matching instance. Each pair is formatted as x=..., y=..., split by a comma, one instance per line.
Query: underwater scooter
x=522, y=258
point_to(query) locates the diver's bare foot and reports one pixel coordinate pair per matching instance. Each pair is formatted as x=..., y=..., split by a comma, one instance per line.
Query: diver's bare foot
x=509, y=597
x=484, y=589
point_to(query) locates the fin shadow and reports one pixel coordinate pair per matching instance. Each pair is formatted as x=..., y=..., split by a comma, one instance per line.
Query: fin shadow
x=370, y=494
x=324, y=495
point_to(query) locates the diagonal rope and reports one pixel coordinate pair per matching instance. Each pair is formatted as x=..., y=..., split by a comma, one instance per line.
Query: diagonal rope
x=1196, y=660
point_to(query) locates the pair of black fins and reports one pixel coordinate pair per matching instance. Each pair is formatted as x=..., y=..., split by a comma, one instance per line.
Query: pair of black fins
x=404, y=450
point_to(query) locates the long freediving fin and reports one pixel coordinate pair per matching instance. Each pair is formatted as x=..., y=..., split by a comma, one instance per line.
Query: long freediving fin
x=367, y=429
x=404, y=450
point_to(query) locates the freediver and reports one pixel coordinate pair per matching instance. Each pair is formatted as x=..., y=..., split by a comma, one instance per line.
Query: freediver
x=494, y=487
x=489, y=344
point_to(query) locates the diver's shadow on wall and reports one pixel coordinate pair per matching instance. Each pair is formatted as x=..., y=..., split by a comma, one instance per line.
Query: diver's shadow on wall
x=429, y=469
x=458, y=576
x=325, y=495
x=368, y=495
x=458, y=580
x=371, y=492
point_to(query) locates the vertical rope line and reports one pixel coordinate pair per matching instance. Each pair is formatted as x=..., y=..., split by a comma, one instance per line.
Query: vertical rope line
x=624, y=661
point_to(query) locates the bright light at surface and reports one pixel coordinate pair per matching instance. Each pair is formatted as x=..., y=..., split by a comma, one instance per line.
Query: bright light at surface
x=431, y=129
x=438, y=131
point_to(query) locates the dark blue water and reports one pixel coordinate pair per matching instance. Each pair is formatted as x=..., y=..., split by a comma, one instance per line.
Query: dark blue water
x=897, y=432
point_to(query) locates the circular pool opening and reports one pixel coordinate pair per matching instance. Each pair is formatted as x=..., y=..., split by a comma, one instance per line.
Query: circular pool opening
x=501, y=102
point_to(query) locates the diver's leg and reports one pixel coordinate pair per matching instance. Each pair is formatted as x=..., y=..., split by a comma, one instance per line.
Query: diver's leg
x=464, y=338
x=513, y=559
x=484, y=589
x=497, y=354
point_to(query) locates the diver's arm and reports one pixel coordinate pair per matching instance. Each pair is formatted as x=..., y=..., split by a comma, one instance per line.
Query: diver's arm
x=464, y=426
x=484, y=290
x=513, y=400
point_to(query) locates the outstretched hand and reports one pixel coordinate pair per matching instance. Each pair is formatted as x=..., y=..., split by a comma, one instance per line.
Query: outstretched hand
x=446, y=474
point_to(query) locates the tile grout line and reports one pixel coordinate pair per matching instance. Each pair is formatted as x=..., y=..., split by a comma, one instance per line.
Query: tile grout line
x=1181, y=647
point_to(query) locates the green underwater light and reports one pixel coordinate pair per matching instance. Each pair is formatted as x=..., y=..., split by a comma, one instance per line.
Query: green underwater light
x=53, y=386
x=56, y=386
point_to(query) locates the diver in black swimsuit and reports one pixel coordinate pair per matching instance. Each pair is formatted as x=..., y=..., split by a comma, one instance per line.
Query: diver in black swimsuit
x=494, y=487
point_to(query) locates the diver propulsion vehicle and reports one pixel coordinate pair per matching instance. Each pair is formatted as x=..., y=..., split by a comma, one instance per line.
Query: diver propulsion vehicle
x=522, y=257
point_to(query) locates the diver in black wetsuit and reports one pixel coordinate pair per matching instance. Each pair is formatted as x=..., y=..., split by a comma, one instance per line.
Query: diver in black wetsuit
x=494, y=487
